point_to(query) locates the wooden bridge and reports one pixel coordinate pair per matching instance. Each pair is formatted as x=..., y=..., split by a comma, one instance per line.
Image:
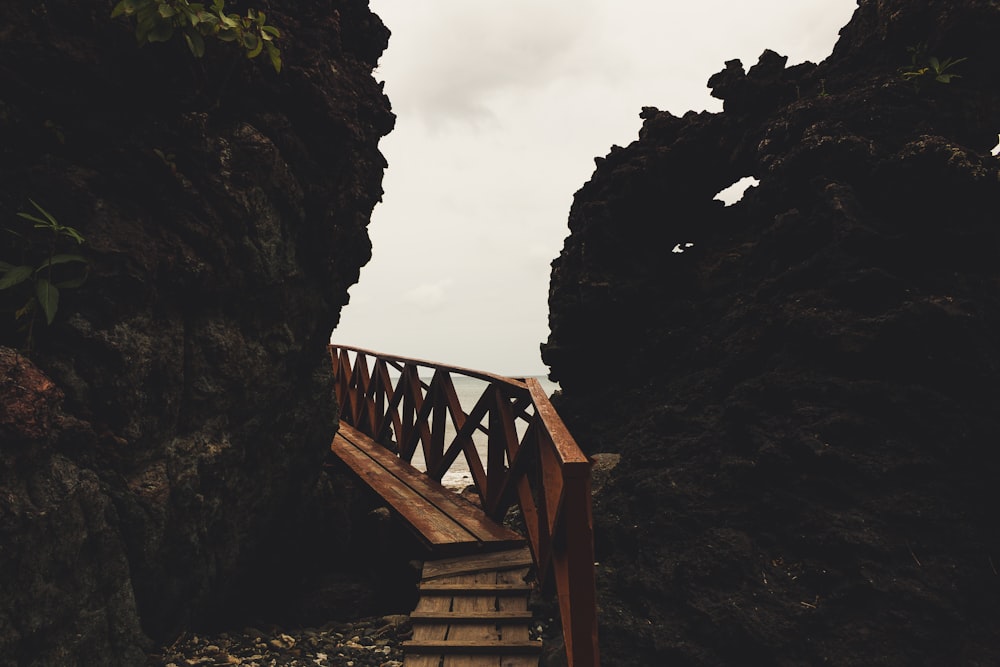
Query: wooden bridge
x=401, y=434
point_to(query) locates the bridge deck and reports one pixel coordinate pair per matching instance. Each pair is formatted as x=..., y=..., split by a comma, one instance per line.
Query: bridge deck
x=447, y=523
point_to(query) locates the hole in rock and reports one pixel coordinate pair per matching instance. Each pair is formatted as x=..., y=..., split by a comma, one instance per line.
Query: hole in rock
x=734, y=192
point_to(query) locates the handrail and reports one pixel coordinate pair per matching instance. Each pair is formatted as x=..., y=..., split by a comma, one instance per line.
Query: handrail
x=539, y=468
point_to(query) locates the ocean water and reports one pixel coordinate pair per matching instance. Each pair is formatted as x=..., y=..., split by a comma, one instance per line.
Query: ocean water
x=469, y=390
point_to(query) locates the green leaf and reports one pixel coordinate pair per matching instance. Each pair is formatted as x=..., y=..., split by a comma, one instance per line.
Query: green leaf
x=33, y=218
x=15, y=276
x=162, y=33
x=166, y=11
x=48, y=297
x=946, y=78
x=253, y=44
x=61, y=259
x=73, y=234
x=41, y=210
x=934, y=63
x=914, y=74
x=6, y=266
x=195, y=42
x=275, y=55
x=123, y=7
x=271, y=30
x=143, y=27
x=48, y=221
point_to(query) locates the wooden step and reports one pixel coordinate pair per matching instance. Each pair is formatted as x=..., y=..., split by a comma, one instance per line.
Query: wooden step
x=471, y=647
x=474, y=613
x=434, y=588
x=496, y=561
x=472, y=616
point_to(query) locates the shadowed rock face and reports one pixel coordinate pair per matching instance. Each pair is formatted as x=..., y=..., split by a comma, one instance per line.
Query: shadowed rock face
x=180, y=404
x=805, y=400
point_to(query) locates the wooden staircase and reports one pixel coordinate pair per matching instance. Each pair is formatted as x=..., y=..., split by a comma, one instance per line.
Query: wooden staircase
x=473, y=612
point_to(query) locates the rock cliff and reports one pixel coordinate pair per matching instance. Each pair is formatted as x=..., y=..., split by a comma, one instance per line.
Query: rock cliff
x=161, y=447
x=805, y=399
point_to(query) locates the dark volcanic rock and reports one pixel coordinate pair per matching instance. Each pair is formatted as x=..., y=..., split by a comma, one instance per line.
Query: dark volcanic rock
x=805, y=401
x=165, y=448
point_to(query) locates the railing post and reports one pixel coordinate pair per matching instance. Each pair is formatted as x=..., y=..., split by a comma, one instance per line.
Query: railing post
x=573, y=562
x=572, y=530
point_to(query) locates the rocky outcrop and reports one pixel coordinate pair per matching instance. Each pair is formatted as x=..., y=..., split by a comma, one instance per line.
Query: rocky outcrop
x=163, y=446
x=805, y=399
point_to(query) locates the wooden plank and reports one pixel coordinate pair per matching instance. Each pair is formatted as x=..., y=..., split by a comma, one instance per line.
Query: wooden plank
x=421, y=660
x=500, y=617
x=501, y=560
x=429, y=632
x=436, y=588
x=477, y=618
x=481, y=631
x=436, y=527
x=514, y=606
x=472, y=518
x=515, y=633
x=472, y=647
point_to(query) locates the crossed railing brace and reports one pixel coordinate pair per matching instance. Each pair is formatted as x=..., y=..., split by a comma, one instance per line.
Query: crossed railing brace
x=538, y=467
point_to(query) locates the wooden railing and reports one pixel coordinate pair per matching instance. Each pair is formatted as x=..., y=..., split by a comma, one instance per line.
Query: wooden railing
x=531, y=461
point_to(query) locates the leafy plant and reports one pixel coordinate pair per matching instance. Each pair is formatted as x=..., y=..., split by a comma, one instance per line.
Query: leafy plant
x=35, y=276
x=160, y=20
x=928, y=68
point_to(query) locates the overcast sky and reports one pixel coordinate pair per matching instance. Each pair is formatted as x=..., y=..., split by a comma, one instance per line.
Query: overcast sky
x=501, y=108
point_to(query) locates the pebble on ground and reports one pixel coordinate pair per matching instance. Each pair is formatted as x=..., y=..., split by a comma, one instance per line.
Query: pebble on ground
x=372, y=642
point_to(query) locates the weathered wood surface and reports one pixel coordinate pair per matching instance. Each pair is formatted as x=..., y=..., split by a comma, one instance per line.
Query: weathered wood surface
x=445, y=521
x=425, y=633
x=499, y=560
x=532, y=461
x=433, y=587
x=473, y=613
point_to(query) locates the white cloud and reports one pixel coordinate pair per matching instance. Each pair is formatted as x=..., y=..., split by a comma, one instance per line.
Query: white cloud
x=502, y=107
x=428, y=295
x=462, y=56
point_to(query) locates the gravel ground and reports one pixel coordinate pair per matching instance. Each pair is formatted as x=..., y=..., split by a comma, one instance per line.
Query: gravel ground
x=371, y=642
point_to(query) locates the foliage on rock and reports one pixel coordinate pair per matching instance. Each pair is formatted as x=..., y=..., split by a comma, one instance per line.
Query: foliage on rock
x=928, y=69
x=161, y=20
x=39, y=273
